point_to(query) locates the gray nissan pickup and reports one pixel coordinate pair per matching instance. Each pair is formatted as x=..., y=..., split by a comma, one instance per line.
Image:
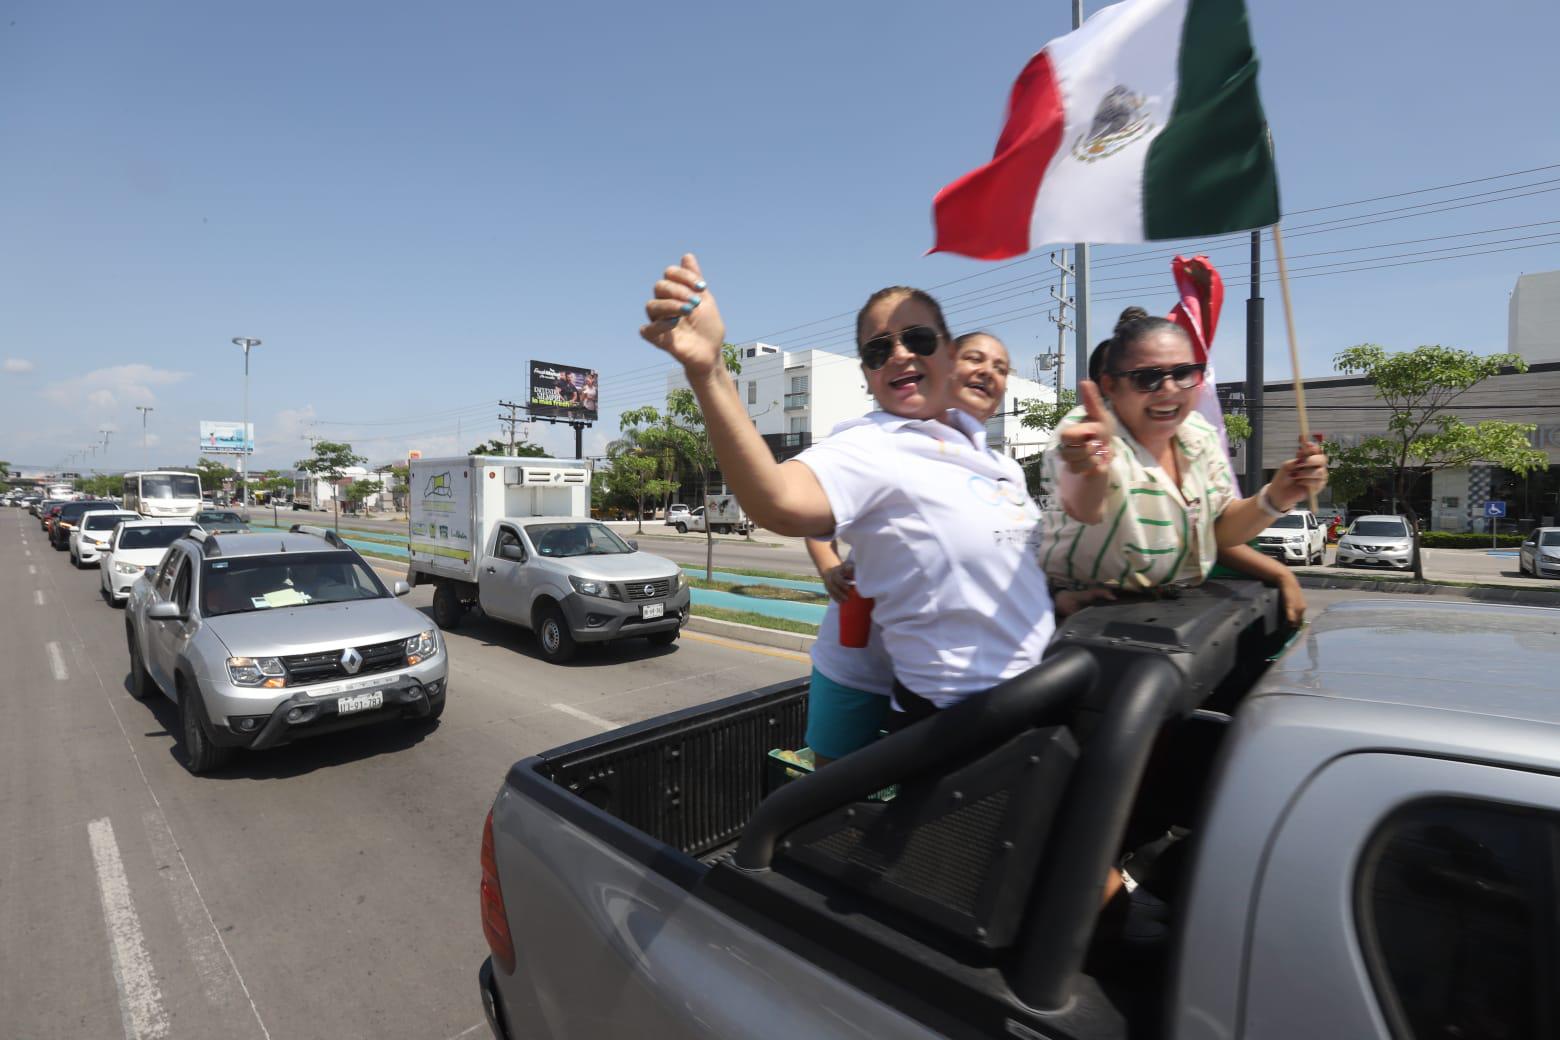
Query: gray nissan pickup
x=1353, y=831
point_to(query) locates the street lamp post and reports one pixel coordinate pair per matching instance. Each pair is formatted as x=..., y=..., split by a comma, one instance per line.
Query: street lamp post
x=143, y=409
x=243, y=454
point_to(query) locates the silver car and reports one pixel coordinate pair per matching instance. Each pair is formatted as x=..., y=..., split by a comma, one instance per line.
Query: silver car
x=261, y=639
x=1377, y=541
x=1540, y=553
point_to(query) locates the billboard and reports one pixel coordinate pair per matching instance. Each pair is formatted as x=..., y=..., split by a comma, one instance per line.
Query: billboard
x=563, y=391
x=226, y=438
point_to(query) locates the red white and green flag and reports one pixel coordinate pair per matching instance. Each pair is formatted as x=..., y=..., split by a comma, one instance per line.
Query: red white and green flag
x=1144, y=124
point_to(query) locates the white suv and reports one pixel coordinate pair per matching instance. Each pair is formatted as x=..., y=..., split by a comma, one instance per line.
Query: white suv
x=1295, y=537
x=95, y=533
x=138, y=545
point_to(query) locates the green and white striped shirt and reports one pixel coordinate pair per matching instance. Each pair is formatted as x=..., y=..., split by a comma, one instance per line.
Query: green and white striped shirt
x=1153, y=532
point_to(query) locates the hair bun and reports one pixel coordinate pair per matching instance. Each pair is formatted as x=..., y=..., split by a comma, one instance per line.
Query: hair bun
x=1129, y=316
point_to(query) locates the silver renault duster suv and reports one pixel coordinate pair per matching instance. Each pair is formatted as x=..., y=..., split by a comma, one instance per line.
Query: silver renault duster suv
x=264, y=638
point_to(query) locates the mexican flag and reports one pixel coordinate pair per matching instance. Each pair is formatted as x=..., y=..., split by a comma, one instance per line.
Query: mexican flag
x=1144, y=124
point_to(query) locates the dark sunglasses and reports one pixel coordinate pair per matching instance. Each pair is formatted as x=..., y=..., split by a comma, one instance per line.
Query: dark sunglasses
x=917, y=339
x=1147, y=380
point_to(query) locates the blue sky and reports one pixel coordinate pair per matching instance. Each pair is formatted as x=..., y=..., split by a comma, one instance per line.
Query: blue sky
x=406, y=202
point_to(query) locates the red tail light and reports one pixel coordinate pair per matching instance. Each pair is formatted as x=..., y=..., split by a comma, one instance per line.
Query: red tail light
x=495, y=922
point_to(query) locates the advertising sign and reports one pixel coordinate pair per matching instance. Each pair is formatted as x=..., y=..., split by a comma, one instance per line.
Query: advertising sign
x=440, y=510
x=563, y=391
x=226, y=438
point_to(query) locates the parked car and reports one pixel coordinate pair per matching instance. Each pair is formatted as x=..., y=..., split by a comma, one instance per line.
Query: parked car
x=1371, y=845
x=263, y=638
x=47, y=510
x=69, y=518
x=1295, y=537
x=94, y=533
x=137, y=546
x=219, y=521
x=1377, y=540
x=1540, y=553
x=677, y=511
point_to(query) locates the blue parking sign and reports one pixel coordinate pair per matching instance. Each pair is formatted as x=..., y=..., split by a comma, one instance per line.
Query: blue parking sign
x=1495, y=510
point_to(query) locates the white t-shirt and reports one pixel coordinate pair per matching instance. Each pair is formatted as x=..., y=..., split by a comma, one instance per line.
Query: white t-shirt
x=945, y=539
x=859, y=667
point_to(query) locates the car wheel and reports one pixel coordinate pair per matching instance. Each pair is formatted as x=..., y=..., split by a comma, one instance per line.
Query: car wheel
x=682, y=528
x=141, y=682
x=1521, y=566
x=447, y=608
x=435, y=708
x=666, y=638
x=554, y=637
x=201, y=755
x=75, y=561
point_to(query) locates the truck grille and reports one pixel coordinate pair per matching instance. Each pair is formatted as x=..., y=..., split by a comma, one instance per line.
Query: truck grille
x=1270, y=539
x=659, y=588
x=317, y=667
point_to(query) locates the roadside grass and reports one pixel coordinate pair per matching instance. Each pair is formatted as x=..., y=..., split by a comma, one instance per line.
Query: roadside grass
x=745, y=617
x=748, y=572
x=760, y=591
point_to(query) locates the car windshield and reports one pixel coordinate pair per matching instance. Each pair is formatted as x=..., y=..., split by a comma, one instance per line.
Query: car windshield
x=555, y=540
x=104, y=521
x=245, y=584
x=1289, y=520
x=1379, y=529
x=216, y=517
x=74, y=510
x=170, y=485
x=158, y=537
x=1549, y=538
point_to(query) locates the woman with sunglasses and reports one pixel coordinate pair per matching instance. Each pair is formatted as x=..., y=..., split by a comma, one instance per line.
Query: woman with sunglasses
x=942, y=529
x=1144, y=487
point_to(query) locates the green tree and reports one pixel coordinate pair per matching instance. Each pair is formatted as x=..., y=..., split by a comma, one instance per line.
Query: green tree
x=360, y=491
x=330, y=460
x=213, y=473
x=400, y=481
x=1043, y=415
x=634, y=477
x=274, y=483
x=1419, y=388
x=523, y=449
x=1237, y=427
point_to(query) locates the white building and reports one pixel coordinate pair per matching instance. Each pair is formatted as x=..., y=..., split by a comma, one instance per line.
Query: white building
x=1533, y=318
x=319, y=492
x=797, y=397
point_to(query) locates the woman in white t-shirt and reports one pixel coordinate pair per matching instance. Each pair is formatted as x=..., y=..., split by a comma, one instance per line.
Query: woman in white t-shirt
x=943, y=531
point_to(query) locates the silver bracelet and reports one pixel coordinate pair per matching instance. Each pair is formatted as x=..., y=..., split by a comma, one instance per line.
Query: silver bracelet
x=1265, y=503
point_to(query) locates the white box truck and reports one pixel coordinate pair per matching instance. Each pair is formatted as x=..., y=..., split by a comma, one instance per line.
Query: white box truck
x=514, y=537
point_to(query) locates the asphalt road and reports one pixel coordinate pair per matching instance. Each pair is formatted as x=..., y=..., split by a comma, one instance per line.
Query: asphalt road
x=327, y=889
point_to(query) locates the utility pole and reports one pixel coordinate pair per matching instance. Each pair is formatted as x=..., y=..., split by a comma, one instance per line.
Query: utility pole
x=105, y=432
x=511, y=420
x=143, y=409
x=243, y=451
x=1254, y=385
x=1063, y=325
x=1081, y=272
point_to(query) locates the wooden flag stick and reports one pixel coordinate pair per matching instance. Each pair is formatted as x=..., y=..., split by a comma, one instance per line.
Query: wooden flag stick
x=1294, y=345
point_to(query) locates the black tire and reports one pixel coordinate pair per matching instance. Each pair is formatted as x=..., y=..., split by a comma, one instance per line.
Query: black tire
x=435, y=708
x=447, y=607
x=75, y=561
x=553, y=636
x=682, y=528
x=200, y=754
x=666, y=638
x=142, y=685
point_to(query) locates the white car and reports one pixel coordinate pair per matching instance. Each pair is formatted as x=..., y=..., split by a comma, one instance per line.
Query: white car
x=92, y=536
x=1295, y=537
x=1377, y=541
x=138, y=545
x=675, y=512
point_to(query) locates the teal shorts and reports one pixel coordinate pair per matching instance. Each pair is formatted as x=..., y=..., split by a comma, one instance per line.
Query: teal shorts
x=841, y=720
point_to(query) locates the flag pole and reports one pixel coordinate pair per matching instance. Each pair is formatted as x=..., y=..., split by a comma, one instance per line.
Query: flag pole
x=1294, y=346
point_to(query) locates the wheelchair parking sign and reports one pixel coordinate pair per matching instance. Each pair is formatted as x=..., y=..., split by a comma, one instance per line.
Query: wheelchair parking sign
x=1495, y=510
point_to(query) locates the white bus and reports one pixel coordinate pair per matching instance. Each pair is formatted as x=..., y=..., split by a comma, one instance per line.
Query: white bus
x=162, y=493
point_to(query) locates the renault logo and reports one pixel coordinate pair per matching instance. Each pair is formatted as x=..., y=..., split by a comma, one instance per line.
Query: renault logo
x=351, y=661
x=649, y=590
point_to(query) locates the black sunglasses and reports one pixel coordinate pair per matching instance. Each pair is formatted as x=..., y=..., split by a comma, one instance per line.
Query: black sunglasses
x=917, y=339
x=1147, y=380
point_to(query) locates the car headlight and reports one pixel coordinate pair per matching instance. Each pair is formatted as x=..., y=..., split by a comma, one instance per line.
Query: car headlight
x=678, y=581
x=590, y=587
x=1295, y=539
x=127, y=568
x=257, y=671
x=422, y=646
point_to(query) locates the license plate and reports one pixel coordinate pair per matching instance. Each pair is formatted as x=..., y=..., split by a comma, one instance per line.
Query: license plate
x=652, y=610
x=359, y=702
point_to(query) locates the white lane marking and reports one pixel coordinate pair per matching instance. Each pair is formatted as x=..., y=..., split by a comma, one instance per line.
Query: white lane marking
x=30, y=568
x=205, y=945
x=140, y=1001
x=585, y=716
x=467, y=1032
x=26, y=552
x=57, y=661
x=38, y=596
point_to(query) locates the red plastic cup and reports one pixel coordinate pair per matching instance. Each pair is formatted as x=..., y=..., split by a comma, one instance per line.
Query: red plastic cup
x=855, y=620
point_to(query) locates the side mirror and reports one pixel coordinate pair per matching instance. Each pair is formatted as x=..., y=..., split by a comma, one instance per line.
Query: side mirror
x=511, y=551
x=401, y=588
x=164, y=611
x=633, y=543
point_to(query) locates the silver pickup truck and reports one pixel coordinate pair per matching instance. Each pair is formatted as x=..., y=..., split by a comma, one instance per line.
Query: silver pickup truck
x=1368, y=824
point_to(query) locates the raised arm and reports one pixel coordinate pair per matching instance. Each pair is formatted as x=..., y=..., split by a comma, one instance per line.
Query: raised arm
x=1297, y=478
x=685, y=322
